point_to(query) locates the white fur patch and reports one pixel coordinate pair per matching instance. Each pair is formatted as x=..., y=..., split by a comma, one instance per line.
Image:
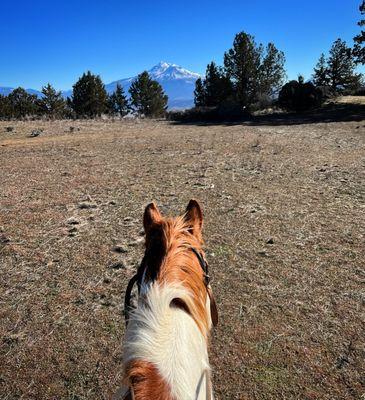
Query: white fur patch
x=169, y=338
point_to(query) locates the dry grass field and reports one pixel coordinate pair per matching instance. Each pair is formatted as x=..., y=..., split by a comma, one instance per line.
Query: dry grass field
x=284, y=227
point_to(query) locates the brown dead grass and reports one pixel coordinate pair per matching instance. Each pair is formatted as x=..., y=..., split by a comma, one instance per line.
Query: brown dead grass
x=351, y=100
x=292, y=312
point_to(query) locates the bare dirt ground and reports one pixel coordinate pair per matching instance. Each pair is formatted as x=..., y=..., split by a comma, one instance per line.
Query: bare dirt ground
x=284, y=228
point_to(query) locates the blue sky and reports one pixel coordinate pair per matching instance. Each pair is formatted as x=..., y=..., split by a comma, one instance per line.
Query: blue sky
x=55, y=41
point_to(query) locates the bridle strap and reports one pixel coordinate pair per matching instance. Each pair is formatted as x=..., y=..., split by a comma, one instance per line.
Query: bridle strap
x=127, y=298
x=203, y=264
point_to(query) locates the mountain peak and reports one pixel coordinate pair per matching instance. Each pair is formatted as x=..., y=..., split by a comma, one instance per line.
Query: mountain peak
x=164, y=71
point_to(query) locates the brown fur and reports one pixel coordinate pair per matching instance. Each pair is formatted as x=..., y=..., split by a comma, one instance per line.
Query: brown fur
x=169, y=260
x=146, y=382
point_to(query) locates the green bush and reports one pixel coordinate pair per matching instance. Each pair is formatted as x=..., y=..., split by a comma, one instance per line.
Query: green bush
x=299, y=96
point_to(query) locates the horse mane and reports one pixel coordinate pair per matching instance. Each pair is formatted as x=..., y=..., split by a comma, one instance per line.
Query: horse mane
x=169, y=260
x=172, y=286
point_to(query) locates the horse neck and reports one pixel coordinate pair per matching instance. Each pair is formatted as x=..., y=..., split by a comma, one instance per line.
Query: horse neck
x=168, y=339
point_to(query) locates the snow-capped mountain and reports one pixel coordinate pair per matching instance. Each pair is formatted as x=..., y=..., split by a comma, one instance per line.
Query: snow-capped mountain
x=177, y=82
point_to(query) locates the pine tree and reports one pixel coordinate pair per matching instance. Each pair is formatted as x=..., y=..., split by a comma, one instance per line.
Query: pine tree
x=320, y=76
x=254, y=71
x=341, y=68
x=272, y=72
x=199, y=93
x=242, y=64
x=89, y=97
x=147, y=96
x=52, y=103
x=118, y=103
x=217, y=86
x=22, y=104
x=359, y=49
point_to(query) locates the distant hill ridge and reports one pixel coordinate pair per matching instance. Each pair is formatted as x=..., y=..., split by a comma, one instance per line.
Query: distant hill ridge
x=177, y=82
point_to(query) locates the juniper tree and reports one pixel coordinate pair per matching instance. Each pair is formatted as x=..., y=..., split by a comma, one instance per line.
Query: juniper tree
x=320, y=75
x=22, y=104
x=118, y=102
x=147, y=96
x=5, y=107
x=300, y=96
x=359, y=49
x=52, y=103
x=89, y=97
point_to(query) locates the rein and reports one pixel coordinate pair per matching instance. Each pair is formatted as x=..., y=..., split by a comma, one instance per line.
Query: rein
x=138, y=278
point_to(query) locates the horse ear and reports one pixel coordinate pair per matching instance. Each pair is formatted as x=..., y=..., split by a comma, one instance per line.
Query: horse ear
x=151, y=217
x=194, y=217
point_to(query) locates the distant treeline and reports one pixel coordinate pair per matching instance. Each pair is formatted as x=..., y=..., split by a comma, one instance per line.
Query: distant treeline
x=252, y=77
x=89, y=100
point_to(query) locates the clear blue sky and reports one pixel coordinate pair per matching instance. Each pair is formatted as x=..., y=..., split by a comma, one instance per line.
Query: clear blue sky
x=57, y=40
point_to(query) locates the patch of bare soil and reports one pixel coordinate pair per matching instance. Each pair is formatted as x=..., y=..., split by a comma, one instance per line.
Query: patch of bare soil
x=284, y=228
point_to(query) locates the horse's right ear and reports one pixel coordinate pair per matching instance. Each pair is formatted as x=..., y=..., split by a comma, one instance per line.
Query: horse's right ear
x=152, y=216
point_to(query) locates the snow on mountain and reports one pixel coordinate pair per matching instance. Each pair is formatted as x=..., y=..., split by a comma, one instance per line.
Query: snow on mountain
x=177, y=82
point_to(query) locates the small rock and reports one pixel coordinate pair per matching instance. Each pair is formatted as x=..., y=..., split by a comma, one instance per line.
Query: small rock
x=73, y=221
x=86, y=205
x=112, y=203
x=136, y=242
x=72, y=230
x=106, y=303
x=9, y=128
x=127, y=219
x=79, y=301
x=12, y=339
x=36, y=132
x=141, y=232
x=270, y=241
x=107, y=279
x=262, y=253
x=4, y=239
x=118, y=265
x=119, y=249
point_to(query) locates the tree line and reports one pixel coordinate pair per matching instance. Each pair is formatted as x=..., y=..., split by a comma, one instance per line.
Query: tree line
x=89, y=100
x=253, y=75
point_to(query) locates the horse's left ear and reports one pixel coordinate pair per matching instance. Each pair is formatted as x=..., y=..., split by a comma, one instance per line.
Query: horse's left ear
x=194, y=217
x=151, y=217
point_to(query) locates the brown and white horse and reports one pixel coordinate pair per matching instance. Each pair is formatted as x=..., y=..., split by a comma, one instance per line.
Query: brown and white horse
x=166, y=343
